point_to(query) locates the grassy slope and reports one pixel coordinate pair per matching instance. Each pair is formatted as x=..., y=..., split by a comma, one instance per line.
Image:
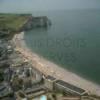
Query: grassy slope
x=12, y=21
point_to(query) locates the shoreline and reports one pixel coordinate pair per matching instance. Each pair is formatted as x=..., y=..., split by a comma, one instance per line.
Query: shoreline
x=49, y=68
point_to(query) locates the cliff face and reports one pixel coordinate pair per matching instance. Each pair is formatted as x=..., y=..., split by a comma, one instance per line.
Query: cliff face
x=4, y=33
x=36, y=22
x=11, y=23
x=41, y=22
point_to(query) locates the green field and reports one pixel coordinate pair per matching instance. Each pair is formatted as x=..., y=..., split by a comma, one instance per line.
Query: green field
x=13, y=22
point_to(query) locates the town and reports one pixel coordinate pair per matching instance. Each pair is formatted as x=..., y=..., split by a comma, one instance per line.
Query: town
x=20, y=80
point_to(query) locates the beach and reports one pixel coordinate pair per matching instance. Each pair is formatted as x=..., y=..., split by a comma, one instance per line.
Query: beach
x=49, y=68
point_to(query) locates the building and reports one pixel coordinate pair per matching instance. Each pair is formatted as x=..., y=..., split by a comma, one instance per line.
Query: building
x=68, y=88
x=37, y=91
x=20, y=96
x=5, y=90
x=69, y=98
x=49, y=82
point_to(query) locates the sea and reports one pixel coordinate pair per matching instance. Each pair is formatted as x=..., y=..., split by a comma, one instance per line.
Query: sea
x=72, y=41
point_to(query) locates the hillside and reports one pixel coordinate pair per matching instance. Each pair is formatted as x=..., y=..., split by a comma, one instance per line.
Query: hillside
x=13, y=22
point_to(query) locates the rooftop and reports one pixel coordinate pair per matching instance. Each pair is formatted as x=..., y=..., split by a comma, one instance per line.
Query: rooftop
x=50, y=78
x=72, y=87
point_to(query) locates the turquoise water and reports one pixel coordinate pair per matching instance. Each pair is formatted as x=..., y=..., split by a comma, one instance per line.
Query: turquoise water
x=73, y=41
x=43, y=97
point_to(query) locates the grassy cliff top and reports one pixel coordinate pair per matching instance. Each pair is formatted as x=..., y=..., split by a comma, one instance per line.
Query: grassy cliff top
x=12, y=22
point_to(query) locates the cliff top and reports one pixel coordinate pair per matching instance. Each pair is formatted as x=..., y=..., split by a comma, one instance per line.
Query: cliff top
x=12, y=22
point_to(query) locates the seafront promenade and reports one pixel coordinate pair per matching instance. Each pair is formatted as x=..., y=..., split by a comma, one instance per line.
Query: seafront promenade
x=49, y=68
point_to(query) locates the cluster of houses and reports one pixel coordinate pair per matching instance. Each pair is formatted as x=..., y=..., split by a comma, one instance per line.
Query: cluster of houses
x=21, y=77
x=15, y=72
x=5, y=51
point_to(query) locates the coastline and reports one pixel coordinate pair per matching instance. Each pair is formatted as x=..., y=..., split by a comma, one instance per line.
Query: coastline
x=49, y=68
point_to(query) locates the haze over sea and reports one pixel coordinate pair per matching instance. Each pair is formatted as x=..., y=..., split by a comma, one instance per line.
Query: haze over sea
x=73, y=41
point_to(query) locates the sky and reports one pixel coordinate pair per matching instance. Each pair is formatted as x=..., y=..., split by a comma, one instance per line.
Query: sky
x=36, y=5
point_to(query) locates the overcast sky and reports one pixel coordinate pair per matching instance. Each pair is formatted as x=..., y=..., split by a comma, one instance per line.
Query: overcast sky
x=29, y=5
